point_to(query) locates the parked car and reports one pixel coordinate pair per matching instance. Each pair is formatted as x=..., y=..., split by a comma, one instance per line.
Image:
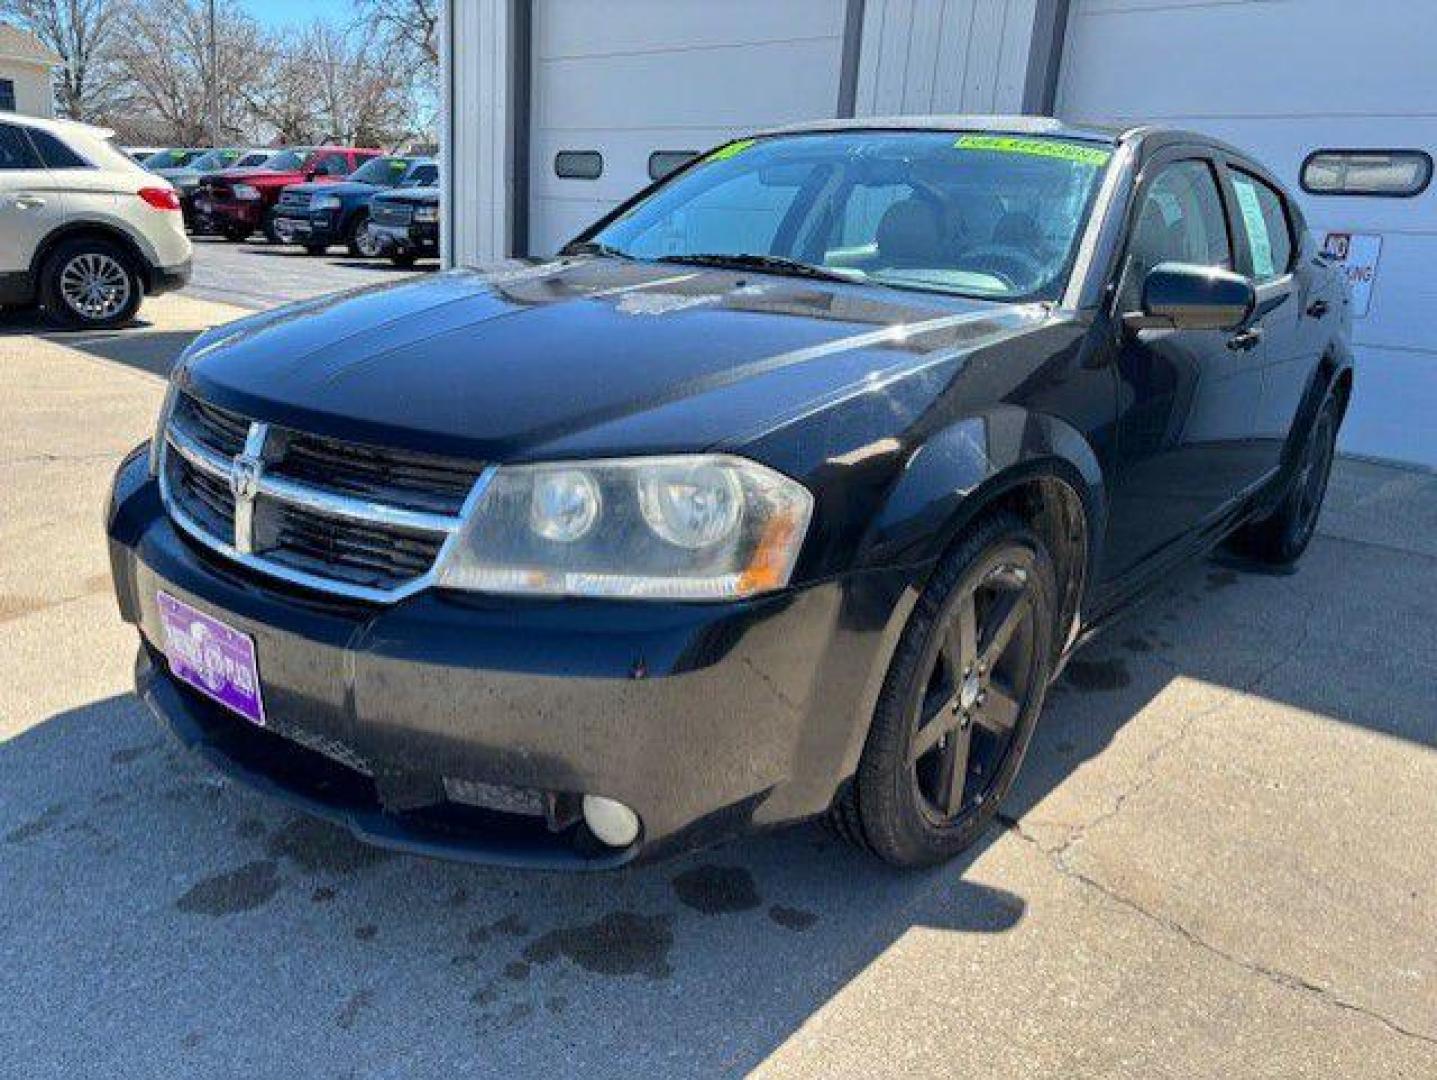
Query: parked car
x=405, y=224
x=140, y=153
x=84, y=230
x=201, y=220
x=174, y=158
x=785, y=491
x=186, y=177
x=317, y=215
x=242, y=201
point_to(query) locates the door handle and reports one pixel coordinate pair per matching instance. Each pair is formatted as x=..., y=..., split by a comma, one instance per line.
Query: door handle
x=1317, y=309
x=28, y=202
x=1245, y=341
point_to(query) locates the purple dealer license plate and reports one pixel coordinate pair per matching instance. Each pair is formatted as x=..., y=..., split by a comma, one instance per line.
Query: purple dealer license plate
x=217, y=660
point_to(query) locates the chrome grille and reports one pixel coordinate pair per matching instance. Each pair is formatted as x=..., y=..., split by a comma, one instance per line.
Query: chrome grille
x=294, y=200
x=331, y=515
x=391, y=213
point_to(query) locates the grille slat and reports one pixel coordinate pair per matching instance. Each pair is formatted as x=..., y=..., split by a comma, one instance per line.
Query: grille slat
x=364, y=549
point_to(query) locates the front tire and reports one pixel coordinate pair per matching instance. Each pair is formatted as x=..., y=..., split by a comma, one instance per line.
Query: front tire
x=961, y=699
x=361, y=242
x=237, y=234
x=1282, y=537
x=405, y=261
x=91, y=284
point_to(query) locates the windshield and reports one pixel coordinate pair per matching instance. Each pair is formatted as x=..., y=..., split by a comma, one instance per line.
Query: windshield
x=984, y=215
x=285, y=161
x=384, y=171
x=214, y=160
x=170, y=159
x=253, y=161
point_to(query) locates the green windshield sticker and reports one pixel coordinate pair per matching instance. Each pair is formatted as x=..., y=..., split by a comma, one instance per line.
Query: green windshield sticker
x=1051, y=148
x=733, y=149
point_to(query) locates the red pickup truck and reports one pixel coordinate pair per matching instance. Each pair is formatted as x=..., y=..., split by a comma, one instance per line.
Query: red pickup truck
x=239, y=201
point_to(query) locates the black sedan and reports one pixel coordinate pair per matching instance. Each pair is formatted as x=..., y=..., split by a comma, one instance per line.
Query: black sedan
x=785, y=491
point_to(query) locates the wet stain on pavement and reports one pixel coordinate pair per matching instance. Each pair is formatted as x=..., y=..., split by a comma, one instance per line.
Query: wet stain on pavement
x=792, y=918
x=1217, y=580
x=130, y=754
x=510, y=926
x=322, y=895
x=1090, y=675
x=36, y=826
x=516, y=971
x=367, y=932
x=250, y=886
x=556, y=1004
x=717, y=890
x=621, y=943
x=315, y=845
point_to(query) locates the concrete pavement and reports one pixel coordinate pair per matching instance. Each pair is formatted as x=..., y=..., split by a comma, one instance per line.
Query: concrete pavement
x=1220, y=861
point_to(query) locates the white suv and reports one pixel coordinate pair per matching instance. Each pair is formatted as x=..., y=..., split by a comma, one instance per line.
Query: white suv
x=84, y=231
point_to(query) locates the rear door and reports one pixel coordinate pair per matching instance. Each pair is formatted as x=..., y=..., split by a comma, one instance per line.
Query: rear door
x=1189, y=397
x=1288, y=314
x=30, y=200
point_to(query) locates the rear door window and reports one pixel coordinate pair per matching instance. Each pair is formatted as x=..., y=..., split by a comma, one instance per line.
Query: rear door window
x=15, y=150
x=1264, y=220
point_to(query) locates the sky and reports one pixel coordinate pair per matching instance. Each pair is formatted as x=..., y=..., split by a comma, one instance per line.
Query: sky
x=279, y=14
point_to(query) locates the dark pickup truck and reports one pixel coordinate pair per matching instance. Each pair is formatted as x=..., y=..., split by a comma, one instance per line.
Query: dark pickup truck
x=406, y=224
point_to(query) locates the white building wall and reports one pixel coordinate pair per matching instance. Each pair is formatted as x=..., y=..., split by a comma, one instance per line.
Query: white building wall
x=34, y=94
x=944, y=56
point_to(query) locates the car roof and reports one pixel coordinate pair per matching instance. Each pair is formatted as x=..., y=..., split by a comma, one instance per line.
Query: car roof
x=1017, y=125
x=59, y=127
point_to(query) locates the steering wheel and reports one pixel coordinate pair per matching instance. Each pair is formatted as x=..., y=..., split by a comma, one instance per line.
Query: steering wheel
x=1016, y=269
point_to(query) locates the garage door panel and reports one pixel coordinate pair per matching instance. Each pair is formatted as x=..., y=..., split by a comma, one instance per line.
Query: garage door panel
x=586, y=28
x=1313, y=57
x=1394, y=406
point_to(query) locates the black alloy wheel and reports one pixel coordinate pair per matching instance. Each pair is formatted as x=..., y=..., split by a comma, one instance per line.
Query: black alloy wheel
x=960, y=702
x=1283, y=536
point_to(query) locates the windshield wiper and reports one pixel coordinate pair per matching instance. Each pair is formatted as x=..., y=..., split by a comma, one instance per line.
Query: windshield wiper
x=594, y=247
x=773, y=264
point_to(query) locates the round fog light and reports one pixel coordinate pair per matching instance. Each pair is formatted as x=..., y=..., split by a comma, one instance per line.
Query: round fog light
x=612, y=822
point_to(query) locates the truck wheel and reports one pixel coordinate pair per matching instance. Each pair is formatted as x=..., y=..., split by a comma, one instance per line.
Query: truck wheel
x=1282, y=536
x=316, y=249
x=362, y=241
x=236, y=234
x=404, y=260
x=960, y=702
x=90, y=283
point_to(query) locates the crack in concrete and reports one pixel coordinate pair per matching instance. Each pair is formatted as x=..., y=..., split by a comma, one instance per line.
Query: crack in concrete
x=1286, y=979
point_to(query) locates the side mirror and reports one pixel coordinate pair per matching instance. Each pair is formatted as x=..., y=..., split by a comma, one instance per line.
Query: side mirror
x=1182, y=296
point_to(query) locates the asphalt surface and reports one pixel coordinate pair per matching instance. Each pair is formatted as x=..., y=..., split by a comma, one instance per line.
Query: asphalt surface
x=260, y=275
x=1219, y=861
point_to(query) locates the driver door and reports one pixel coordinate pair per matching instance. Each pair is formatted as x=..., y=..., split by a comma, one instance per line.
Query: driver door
x=1188, y=398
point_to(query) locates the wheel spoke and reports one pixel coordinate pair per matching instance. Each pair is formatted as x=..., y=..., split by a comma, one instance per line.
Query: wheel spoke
x=961, y=644
x=953, y=773
x=935, y=723
x=999, y=711
x=1008, y=618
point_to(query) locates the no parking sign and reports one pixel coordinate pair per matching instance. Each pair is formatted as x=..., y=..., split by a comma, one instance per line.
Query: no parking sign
x=1357, y=254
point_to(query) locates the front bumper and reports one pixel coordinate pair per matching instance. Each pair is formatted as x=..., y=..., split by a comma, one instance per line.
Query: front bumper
x=420, y=238
x=704, y=719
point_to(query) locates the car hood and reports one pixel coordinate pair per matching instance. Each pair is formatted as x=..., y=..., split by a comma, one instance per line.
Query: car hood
x=260, y=177
x=576, y=357
x=425, y=196
x=342, y=187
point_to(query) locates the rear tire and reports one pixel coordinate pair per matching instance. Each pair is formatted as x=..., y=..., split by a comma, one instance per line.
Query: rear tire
x=404, y=262
x=92, y=284
x=960, y=702
x=1280, y=538
x=237, y=234
x=316, y=249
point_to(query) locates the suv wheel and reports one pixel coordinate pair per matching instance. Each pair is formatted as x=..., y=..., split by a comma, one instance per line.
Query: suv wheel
x=90, y=283
x=236, y=234
x=362, y=242
x=404, y=260
x=960, y=702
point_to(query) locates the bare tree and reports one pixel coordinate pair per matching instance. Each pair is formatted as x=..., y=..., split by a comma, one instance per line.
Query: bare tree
x=83, y=34
x=166, y=58
x=358, y=85
x=411, y=24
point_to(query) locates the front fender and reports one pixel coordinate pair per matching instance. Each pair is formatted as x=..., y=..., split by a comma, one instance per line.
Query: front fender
x=959, y=471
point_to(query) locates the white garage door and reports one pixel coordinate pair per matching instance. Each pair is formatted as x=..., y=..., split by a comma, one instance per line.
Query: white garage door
x=1281, y=79
x=617, y=82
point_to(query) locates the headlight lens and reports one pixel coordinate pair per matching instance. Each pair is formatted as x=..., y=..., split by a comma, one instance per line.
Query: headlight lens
x=325, y=202
x=247, y=192
x=427, y=214
x=692, y=527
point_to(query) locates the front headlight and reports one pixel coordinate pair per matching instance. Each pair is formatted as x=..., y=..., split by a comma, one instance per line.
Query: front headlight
x=247, y=192
x=426, y=215
x=325, y=202
x=692, y=527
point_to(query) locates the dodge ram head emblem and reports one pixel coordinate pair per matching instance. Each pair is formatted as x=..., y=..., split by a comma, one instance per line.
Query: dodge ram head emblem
x=246, y=472
x=244, y=476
